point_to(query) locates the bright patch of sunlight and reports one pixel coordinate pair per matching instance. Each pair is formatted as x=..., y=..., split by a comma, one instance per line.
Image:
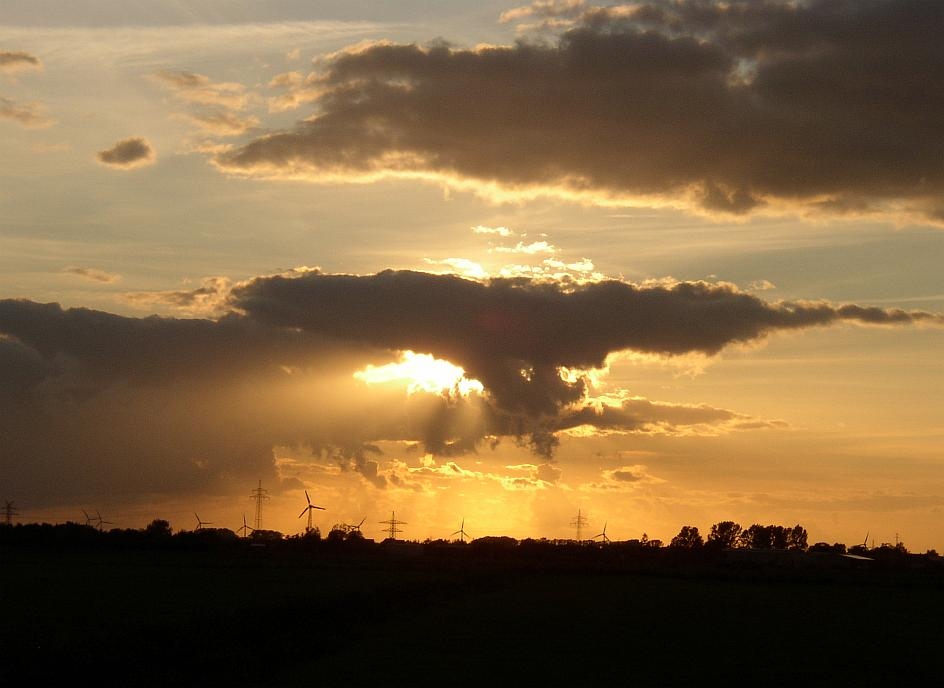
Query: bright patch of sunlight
x=421, y=373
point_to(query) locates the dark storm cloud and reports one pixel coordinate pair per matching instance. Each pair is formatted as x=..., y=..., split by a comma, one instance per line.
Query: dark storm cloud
x=515, y=334
x=95, y=403
x=729, y=106
x=128, y=153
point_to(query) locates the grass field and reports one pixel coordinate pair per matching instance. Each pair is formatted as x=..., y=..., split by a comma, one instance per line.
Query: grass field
x=251, y=617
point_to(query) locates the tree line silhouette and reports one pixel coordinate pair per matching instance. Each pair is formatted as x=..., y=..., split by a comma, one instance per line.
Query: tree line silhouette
x=723, y=536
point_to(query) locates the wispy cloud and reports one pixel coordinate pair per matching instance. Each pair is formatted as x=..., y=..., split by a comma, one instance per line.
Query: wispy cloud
x=18, y=60
x=200, y=89
x=530, y=249
x=32, y=114
x=93, y=274
x=221, y=123
x=499, y=231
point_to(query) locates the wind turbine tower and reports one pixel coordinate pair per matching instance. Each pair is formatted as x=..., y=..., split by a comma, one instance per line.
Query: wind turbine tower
x=461, y=532
x=391, y=530
x=101, y=522
x=245, y=529
x=311, y=507
x=579, y=522
x=606, y=538
x=200, y=523
x=259, y=495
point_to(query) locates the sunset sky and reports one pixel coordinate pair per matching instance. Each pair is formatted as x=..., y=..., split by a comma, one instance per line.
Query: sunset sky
x=665, y=262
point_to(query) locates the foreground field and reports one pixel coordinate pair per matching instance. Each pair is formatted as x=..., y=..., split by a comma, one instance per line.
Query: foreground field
x=252, y=617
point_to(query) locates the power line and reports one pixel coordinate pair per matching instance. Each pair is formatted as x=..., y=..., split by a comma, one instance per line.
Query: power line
x=579, y=522
x=9, y=511
x=391, y=530
x=259, y=495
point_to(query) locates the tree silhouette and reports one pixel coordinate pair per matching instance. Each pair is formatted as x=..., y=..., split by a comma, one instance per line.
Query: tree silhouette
x=724, y=535
x=797, y=538
x=688, y=538
x=158, y=528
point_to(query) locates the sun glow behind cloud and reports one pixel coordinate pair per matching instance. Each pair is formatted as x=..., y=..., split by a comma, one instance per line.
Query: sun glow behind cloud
x=421, y=373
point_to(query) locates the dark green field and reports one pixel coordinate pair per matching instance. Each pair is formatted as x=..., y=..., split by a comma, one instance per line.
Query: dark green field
x=254, y=617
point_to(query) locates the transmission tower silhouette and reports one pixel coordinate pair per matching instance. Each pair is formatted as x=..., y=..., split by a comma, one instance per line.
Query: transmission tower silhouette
x=9, y=511
x=579, y=522
x=259, y=495
x=391, y=530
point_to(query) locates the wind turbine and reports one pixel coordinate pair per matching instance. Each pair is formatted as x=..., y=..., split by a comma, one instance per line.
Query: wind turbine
x=355, y=529
x=101, y=522
x=461, y=532
x=200, y=523
x=88, y=519
x=606, y=538
x=309, y=509
x=246, y=528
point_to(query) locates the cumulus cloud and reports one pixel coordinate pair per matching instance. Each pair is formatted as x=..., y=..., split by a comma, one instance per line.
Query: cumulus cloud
x=32, y=114
x=516, y=335
x=93, y=274
x=18, y=60
x=725, y=107
x=193, y=404
x=200, y=89
x=128, y=154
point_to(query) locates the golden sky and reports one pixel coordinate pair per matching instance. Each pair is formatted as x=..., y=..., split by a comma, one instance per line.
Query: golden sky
x=666, y=263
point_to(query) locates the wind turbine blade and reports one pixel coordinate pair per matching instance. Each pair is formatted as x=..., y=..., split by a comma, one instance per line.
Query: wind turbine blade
x=318, y=507
x=307, y=497
x=362, y=522
x=303, y=511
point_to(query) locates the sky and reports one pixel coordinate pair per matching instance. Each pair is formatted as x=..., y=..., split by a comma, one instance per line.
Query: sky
x=667, y=263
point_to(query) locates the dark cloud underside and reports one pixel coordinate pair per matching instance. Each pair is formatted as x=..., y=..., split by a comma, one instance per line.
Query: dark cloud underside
x=128, y=153
x=160, y=404
x=834, y=105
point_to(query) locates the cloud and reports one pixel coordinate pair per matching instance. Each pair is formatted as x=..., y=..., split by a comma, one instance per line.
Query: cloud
x=128, y=154
x=761, y=285
x=222, y=123
x=93, y=403
x=730, y=108
x=500, y=231
x=461, y=266
x=93, y=274
x=32, y=115
x=18, y=60
x=297, y=89
x=200, y=89
x=209, y=299
x=527, y=249
x=516, y=335
x=624, y=478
